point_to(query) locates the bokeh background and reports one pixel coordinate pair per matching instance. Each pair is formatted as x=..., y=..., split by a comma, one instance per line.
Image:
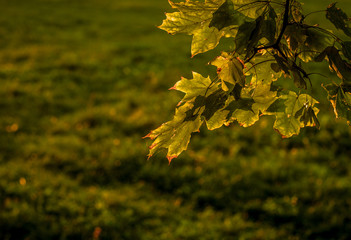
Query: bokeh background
x=83, y=81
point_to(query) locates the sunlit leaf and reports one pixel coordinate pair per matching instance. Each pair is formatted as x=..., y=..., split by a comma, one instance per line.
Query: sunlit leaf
x=242, y=103
x=251, y=8
x=194, y=87
x=205, y=40
x=214, y=102
x=262, y=97
x=219, y=117
x=288, y=121
x=277, y=106
x=174, y=135
x=230, y=71
x=343, y=105
x=286, y=126
x=260, y=69
x=340, y=100
x=272, y=40
x=194, y=18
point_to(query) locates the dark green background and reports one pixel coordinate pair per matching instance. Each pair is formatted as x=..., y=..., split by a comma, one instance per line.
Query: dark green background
x=83, y=81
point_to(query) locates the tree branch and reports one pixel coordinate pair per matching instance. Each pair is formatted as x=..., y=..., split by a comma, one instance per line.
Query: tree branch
x=280, y=36
x=285, y=22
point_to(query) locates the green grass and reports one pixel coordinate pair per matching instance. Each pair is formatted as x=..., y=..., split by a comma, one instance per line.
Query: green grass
x=83, y=81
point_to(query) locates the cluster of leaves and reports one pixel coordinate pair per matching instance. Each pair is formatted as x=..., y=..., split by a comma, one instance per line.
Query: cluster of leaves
x=272, y=41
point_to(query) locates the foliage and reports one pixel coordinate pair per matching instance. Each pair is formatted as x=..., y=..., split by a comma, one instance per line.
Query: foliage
x=273, y=42
x=77, y=94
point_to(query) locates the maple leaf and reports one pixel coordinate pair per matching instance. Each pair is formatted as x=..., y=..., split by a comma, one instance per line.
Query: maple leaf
x=194, y=18
x=230, y=71
x=274, y=40
x=262, y=98
x=198, y=86
x=340, y=99
x=260, y=69
x=293, y=112
x=175, y=134
x=219, y=117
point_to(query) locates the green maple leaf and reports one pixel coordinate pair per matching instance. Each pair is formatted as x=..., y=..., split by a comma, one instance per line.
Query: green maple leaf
x=202, y=100
x=286, y=126
x=292, y=113
x=252, y=8
x=241, y=108
x=214, y=102
x=174, y=135
x=255, y=100
x=306, y=42
x=246, y=89
x=230, y=71
x=307, y=117
x=278, y=106
x=194, y=18
x=217, y=120
x=198, y=86
x=340, y=100
x=220, y=116
x=260, y=69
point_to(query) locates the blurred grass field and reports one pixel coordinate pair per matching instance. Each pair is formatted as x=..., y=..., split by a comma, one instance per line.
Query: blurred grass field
x=83, y=81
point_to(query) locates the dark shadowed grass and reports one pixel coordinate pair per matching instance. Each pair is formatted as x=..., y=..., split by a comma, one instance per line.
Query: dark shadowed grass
x=83, y=81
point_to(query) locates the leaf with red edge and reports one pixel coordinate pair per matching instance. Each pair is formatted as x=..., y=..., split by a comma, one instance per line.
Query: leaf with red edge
x=175, y=135
x=230, y=71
